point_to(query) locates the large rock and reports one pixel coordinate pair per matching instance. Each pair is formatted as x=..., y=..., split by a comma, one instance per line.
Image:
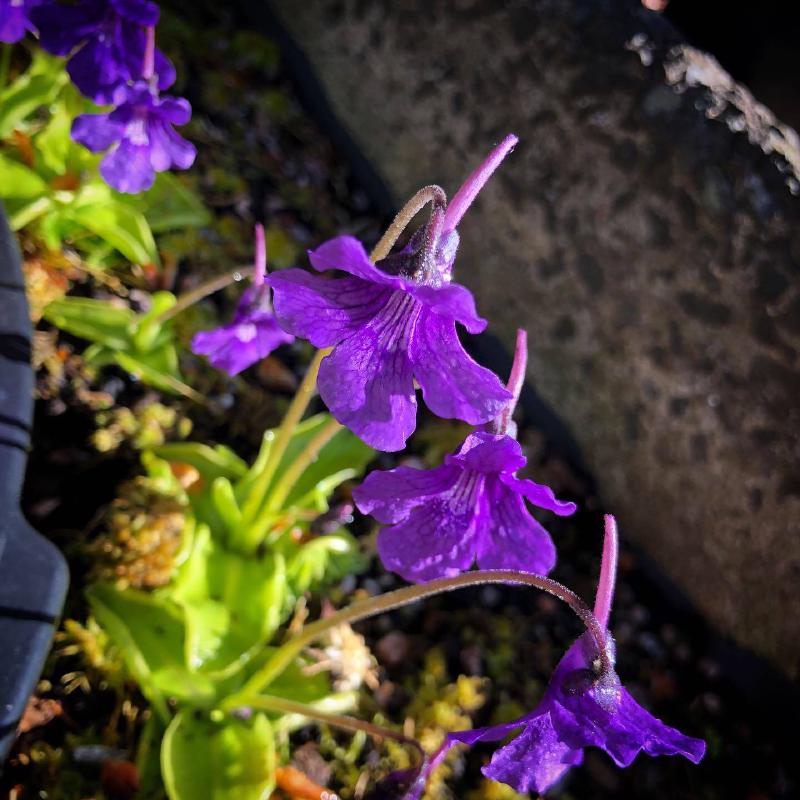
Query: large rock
x=644, y=232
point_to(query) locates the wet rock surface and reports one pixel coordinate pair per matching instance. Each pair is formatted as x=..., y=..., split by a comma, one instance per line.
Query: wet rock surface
x=644, y=232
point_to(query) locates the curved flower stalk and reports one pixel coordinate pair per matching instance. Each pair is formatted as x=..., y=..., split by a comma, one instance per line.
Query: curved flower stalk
x=470, y=509
x=15, y=19
x=107, y=40
x=254, y=333
x=576, y=711
x=139, y=133
x=392, y=323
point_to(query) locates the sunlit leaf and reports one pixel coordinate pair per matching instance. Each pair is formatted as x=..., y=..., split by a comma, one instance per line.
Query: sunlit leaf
x=19, y=182
x=150, y=633
x=324, y=560
x=35, y=88
x=53, y=143
x=225, y=504
x=231, y=760
x=232, y=602
x=116, y=222
x=171, y=205
x=210, y=462
x=96, y=320
x=345, y=451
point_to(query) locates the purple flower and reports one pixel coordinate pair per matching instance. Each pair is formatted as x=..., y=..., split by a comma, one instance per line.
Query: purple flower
x=107, y=39
x=15, y=19
x=470, y=509
x=139, y=138
x=390, y=324
x=254, y=332
x=579, y=709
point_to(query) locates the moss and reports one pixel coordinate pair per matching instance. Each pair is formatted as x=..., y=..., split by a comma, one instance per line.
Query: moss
x=141, y=537
x=150, y=424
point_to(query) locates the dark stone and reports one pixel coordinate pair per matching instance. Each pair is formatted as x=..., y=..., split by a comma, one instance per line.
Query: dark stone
x=590, y=272
x=705, y=310
x=651, y=201
x=564, y=328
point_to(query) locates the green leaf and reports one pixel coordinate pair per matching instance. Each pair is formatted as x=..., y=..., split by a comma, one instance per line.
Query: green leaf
x=155, y=370
x=171, y=205
x=283, y=251
x=150, y=633
x=226, y=505
x=53, y=143
x=232, y=760
x=96, y=320
x=149, y=332
x=35, y=88
x=232, y=602
x=122, y=226
x=323, y=560
x=211, y=462
x=23, y=215
x=19, y=182
x=345, y=451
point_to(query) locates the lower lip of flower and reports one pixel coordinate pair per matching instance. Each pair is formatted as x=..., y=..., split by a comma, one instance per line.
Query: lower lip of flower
x=246, y=332
x=136, y=132
x=396, y=320
x=465, y=492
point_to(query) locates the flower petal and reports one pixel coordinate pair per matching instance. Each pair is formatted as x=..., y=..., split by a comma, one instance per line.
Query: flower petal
x=390, y=495
x=232, y=348
x=624, y=733
x=13, y=23
x=453, y=385
x=451, y=301
x=534, y=760
x=96, y=131
x=435, y=541
x=168, y=148
x=97, y=71
x=127, y=168
x=176, y=110
x=489, y=452
x=367, y=384
x=61, y=27
x=142, y=13
x=540, y=495
x=323, y=310
x=514, y=539
x=346, y=253
x=165, y=70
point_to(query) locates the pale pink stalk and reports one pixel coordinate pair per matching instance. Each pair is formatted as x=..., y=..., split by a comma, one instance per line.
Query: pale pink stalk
x=149, y=66
x=516, y=380
x=608, y=572
x=463, y=198
x=260, y=271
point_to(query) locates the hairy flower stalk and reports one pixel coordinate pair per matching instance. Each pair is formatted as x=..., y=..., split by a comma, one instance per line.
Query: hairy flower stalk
x=281, y=705
x=209, y=287
x=427, y=194
x=364, y=609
